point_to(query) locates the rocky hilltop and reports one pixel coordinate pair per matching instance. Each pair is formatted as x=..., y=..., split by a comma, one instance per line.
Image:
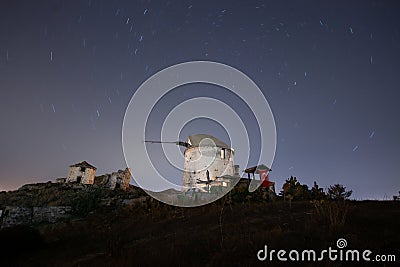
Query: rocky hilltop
x=50, y=202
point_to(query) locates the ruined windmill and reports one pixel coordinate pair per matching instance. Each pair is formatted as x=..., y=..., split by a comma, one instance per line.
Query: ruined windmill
x=208, y=161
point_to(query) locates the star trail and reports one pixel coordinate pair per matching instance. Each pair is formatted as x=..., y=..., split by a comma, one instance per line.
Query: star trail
x=328, y=69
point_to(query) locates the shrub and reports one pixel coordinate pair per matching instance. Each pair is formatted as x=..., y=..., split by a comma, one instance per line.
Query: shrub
x=316, y=192
x=338, y=192
x=294, y=188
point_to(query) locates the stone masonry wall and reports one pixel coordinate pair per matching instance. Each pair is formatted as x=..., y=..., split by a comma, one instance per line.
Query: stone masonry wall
x=12, y=216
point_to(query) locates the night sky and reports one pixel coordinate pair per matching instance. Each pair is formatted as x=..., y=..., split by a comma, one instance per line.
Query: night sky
x=329, y=70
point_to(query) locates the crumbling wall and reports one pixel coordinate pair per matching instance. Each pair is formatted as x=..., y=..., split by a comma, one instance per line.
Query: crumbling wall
x=61, y=180
x=119, y=179
x=102, y=180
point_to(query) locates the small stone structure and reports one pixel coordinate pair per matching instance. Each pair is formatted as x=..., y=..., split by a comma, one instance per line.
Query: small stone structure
x=116, y=180
x=84, y=173
x=11, y=216
x=81, y=173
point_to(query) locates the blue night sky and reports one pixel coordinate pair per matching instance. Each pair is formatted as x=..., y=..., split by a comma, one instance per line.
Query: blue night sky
x=329, y=70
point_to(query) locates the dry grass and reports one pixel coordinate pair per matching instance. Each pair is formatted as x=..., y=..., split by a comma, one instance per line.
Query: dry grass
x=332, y=213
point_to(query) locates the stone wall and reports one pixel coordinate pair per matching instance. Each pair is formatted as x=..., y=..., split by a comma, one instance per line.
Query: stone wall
x=86, y=176
x=16, y=216
x=119, y=179
x=50, y=214
x=198, y=160
x=12, y=216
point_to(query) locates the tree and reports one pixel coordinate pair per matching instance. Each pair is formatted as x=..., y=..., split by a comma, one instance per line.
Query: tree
x=317, y=193
x=295, y=189
x=289, y=187
x=338, y=192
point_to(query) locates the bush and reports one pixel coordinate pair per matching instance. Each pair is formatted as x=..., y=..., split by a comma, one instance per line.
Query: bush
x=338, y=192
x=316, y=192
x=294, y=189
x=238, y=194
